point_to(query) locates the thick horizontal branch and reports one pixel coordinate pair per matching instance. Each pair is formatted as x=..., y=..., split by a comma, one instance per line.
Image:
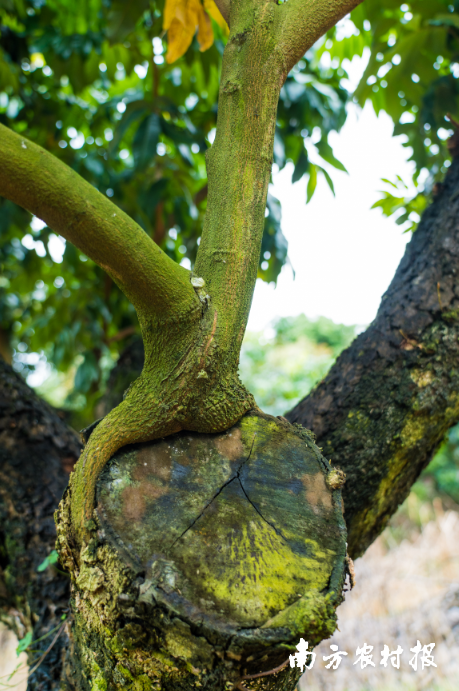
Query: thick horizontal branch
x=391, y=396
x=40, y=183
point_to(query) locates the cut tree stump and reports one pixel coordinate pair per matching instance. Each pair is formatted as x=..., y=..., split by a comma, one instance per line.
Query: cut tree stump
x=212, y=556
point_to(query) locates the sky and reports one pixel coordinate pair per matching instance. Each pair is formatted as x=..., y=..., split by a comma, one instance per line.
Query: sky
x=343, y=253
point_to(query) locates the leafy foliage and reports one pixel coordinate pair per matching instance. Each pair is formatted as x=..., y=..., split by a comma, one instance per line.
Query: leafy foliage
x=412, y=75
x=24, y=643
x=51, y=559
x=443, y=471
x=282, y=365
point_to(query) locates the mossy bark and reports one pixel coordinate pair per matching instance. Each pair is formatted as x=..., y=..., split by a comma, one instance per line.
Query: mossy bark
x=37, y=452
x=210, y=556
x=388, y=401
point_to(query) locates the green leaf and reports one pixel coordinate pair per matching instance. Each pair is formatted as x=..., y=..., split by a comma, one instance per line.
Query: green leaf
x=401, y=180
x=186, y=154
x=329, y=180
x=274, y=246
x=133, y=112
x=52, y=558
x=446, y=19
x=24, y=643
x=388, y=182
x=279, y=151
x=123, y=17
x=301, y=166
x=154, y=194
x=326, y=152
x=145, y=141
x=87, y=373
x=312, y=182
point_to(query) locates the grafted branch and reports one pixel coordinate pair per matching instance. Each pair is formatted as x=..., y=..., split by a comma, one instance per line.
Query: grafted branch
x=265, y=42
x=192, y=337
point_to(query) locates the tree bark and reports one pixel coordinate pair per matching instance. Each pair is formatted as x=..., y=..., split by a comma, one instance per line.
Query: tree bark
x=37, y=453
x=386, y=404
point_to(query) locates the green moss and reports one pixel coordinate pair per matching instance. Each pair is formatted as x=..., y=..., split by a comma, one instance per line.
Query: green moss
x=99, y=683
x=142, y=683
x=313, y=612
x=450, y=315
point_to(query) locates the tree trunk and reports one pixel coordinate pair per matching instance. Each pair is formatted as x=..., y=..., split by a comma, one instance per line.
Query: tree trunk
x=37, y=452
x=211, y=556
x=386, y=404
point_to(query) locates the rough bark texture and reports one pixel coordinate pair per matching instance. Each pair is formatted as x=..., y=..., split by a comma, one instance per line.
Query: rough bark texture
x=212, y=556
x=388, y=401
x=37, y=452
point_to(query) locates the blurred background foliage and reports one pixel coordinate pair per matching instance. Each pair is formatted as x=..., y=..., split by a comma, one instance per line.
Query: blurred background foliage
x=283, y=363
x=412, y=75
x=89, y=81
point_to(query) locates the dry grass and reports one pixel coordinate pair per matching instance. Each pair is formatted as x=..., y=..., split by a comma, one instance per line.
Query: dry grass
x=403, y=594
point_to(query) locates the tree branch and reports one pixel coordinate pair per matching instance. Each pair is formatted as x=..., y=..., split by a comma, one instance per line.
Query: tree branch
x=388, y=401
x=266, y=40
x=40, y=183
x=303, y=22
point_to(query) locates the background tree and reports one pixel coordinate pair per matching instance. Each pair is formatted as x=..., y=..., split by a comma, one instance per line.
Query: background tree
x=364, y=529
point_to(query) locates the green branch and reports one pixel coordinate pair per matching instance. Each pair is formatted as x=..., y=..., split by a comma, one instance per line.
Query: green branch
x=265, y=42
x=303, y=22
x=40, y=183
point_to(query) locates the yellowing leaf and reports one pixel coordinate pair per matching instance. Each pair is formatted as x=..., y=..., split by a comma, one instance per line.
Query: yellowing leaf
x=213, y=11
x=205, y=33
x=182, y=18
x=179, y=38
x=193, y=10
x=174, y=9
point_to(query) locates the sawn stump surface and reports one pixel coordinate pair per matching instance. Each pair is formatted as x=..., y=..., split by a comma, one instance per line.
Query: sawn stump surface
x=234, y=532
